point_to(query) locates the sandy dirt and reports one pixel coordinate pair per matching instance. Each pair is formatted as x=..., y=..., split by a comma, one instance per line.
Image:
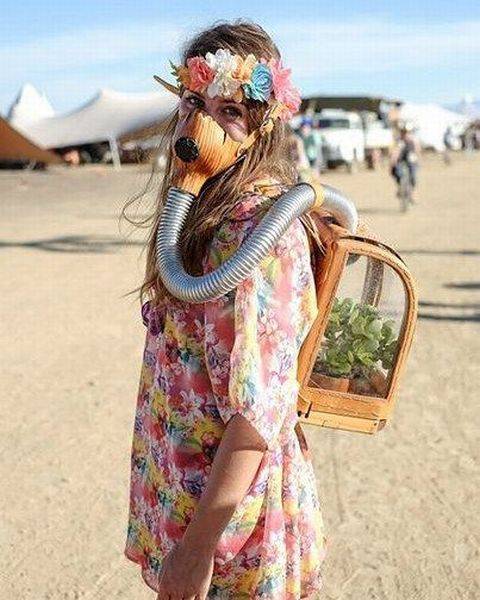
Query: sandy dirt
x=401, y=507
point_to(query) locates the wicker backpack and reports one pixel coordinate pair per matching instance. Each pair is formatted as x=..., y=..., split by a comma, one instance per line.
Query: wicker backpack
x=351, y=361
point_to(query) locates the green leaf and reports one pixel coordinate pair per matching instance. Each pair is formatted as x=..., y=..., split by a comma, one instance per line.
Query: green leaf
x=356, y=339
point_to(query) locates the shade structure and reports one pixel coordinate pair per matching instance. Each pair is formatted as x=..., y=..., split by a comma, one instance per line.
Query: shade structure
x=16, y=147
x=30, y=105
x=147, y=137
x=106, y=117
x=468, y=107
x=431, y=122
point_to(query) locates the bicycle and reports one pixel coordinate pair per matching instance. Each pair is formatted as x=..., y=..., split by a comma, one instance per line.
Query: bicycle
x=405, y=188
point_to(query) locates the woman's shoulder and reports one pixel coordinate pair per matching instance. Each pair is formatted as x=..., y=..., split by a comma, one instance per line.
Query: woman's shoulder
x=232, y=232
x=251, y=206
x=256, y=198
x=248, y=206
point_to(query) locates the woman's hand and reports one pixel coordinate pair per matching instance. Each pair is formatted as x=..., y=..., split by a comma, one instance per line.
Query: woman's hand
x=186, y=574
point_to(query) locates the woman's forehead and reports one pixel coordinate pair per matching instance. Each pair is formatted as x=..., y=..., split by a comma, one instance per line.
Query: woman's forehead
x=215, y=100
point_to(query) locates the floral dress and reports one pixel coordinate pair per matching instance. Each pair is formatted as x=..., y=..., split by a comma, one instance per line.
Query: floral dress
x=203, y=363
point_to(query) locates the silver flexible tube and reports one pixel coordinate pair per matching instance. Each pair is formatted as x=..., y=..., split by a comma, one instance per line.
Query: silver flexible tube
x=290, y=205
x=340, y=207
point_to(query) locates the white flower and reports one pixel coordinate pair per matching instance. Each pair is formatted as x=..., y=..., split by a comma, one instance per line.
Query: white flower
x=223, y=85
x=223, y=63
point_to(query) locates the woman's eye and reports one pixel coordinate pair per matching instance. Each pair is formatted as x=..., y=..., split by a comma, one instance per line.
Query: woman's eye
x=194, y=101
x=232, y=113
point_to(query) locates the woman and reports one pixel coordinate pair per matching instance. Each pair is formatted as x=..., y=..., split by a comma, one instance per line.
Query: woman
x=223, y=500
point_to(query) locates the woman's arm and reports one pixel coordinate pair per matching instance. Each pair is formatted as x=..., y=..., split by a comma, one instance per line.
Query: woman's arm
x=234, y=466
x=188, y=569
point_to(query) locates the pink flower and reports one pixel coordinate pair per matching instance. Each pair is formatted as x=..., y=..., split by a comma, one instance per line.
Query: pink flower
x=201, y=75
x=292, y=101
x=283, y=89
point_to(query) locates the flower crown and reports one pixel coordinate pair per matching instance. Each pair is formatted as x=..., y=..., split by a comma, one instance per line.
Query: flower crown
x=232, y=76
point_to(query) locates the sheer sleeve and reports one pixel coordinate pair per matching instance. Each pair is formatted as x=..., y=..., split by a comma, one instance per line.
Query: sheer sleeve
x=153, y=316
x=254, y=333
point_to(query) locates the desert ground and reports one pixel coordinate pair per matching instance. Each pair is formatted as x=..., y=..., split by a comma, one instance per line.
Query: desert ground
x=401, y=507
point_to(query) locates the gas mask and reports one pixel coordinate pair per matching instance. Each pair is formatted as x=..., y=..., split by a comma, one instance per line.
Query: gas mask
x=202, y=149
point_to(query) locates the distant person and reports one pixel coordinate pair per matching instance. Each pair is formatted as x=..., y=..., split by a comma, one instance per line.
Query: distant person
x=320, y=163
x=448, y=144
x=296, y=151
x=470, y=138
x=476, y=139
x=71, y=156
x=310, y=143
x=405, y=155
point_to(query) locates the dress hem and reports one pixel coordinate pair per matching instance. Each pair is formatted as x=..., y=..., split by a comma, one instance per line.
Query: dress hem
x=136, y=561
x=307, y=594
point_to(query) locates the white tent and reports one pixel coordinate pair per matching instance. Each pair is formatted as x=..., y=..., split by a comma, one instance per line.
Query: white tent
x=468, y=107
x=106, y=117
x=431, y=122
x=30, y=105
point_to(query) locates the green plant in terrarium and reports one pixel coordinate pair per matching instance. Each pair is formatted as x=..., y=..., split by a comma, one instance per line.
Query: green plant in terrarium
x=357, y=340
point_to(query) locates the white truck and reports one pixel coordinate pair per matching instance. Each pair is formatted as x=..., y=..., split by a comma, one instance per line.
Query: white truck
x=378, y=138
x=341, y=137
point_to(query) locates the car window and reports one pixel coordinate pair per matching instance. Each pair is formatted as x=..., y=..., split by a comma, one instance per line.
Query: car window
x=334, y=124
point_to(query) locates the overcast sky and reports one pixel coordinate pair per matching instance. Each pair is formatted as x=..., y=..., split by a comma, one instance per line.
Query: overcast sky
x=424, y=50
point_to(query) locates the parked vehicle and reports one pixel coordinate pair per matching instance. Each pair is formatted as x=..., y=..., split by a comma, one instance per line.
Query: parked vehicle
x=341, y=136
x=378, y=138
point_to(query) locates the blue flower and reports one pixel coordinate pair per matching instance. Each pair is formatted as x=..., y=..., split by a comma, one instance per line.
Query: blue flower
x=260, y=85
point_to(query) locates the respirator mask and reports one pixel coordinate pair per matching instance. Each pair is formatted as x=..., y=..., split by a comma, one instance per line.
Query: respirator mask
x=202, y=149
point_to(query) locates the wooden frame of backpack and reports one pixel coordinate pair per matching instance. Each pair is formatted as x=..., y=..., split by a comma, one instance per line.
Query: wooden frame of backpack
x=346, y=410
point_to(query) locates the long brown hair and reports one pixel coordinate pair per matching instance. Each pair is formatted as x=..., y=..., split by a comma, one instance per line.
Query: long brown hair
x=267, y=157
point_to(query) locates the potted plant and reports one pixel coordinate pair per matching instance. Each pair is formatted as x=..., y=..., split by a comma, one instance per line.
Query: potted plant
x=357, y=342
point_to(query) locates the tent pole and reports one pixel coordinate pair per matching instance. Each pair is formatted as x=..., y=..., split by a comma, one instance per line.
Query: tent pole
x=115, y=154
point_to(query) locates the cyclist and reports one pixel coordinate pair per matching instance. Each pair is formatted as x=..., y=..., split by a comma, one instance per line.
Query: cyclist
x=405, y=155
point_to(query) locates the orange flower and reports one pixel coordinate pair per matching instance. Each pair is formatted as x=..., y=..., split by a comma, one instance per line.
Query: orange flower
x=244, y=69
x=183, y=75
x=238, y=95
